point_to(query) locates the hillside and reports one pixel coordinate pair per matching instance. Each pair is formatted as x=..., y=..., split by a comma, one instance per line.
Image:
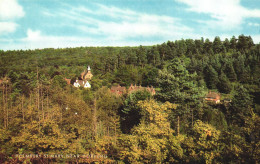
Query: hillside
x=43, y=114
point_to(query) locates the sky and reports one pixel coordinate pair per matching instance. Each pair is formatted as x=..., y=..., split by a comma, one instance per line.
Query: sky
x=38, y=24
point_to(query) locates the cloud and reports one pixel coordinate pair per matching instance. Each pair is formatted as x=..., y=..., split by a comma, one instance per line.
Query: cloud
x=33, y=35
x=9, y=11
x=254, y=24
x=35, y=39
x=123, y=23
x=7, y=27
x=256, y=39
x=225, y=14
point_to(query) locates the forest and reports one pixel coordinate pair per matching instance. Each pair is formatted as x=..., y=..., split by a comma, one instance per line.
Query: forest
x=43, y=116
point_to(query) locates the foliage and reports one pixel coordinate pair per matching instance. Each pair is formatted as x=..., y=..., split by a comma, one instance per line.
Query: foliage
x=41, y=113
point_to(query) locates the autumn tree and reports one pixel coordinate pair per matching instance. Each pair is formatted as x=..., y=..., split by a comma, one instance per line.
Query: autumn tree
x=148, y=141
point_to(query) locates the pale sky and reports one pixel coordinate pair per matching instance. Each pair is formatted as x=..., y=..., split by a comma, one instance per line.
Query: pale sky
x=33, y=24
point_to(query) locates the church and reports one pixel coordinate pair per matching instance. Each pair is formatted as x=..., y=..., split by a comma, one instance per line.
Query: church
x=85, y=77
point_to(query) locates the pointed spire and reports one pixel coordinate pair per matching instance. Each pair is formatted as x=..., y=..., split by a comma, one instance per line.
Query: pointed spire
x=88, y=68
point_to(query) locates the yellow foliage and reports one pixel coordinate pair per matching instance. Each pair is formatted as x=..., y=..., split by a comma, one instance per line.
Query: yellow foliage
x=149, y=140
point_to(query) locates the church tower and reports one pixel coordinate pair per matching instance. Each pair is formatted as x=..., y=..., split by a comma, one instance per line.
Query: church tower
x=89, y=75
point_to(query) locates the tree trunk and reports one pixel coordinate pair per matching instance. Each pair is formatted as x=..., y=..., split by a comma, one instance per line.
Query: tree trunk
x=178, y=126
x=6, y=102
x=192, y=118
x=95, y=119
x=42, y=98
x=4, y=105
x=23, y=111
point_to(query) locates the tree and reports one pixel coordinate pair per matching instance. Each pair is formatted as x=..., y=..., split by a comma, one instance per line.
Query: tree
x=132, y=58
x=203, y=146
x=141, y=56
x=127, y=75
x=227, y=44
x=217, y=45
x=59, y=81
x=199, y=46
x=230, y=72
x=153, y=56
x=130, y=111
x=211, y=77
x=107, y=106
x=208, y=47
x=233, y=43
x=178, y=86
x=241, y=106
x=244, y=43
x=224, y=86
x=149, y=76
x=148, y=141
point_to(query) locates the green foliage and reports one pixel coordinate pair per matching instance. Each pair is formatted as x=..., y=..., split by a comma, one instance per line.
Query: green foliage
x=177, y=84
x=224, y=85
x=211, y=77
x=127, y=75
x=130, y=112
x=241, y=105
x=58, y=81
x=40, y=113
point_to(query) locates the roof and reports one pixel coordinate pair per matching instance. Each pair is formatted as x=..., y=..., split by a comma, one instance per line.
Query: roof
x=81, y=82
x=212, y=95
x=118, y=88
x=134, y=88
x=83, y=73
x=67, y=80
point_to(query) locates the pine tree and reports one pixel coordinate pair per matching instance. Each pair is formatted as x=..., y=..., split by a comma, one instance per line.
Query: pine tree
x=217, y=45
x=241, y=106
x=230, y=72
x=211, y=77
x=233, y=43
x=224, y=86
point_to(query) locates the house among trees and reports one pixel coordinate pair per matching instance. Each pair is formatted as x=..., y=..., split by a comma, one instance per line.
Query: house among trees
x=134, y=88
x=68, y=81
x=119, y=90
x=83, y=81
x=85, y=76
x=213, y=97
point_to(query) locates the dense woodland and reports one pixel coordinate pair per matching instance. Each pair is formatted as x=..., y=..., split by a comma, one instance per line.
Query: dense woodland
x=41, y=114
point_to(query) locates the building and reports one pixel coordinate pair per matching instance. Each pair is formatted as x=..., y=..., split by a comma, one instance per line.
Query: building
x=86, y=75
x=134, y=88
x=119, y=90
x=213, y=97
x=68, y=81
x=81, y=83
x=83, y=80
